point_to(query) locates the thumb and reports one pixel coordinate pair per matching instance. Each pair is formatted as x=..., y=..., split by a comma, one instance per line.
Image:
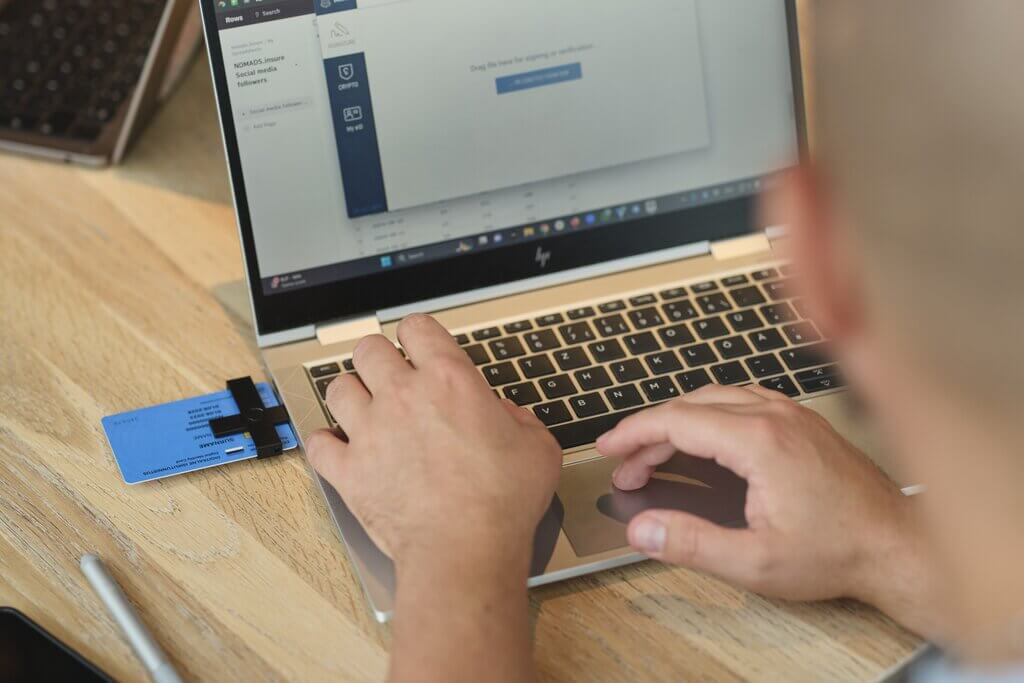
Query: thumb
x=689, y=541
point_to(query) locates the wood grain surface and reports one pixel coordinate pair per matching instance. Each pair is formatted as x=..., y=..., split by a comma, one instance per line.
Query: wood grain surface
x=107, y=304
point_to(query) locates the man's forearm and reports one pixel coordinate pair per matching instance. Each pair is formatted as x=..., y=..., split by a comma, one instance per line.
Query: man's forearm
x=459, y=618
x=898, y=577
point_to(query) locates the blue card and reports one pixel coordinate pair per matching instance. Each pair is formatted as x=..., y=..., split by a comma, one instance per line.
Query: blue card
x=175, y=438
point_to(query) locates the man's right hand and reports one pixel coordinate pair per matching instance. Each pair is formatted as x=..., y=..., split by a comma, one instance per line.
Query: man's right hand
x=823, y=520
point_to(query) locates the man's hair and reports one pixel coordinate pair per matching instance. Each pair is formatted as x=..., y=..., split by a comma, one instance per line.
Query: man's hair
x=918, y=125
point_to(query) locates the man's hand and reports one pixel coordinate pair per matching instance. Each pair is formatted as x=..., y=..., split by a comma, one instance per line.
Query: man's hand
x=824, y=521
x=434, y=462
x=451, y=483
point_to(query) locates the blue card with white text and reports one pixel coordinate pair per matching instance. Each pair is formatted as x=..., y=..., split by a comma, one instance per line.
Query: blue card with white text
x=175, y=438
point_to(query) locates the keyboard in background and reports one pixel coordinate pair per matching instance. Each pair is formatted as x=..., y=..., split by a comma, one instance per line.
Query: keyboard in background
x=583, y=369
x=67, y=66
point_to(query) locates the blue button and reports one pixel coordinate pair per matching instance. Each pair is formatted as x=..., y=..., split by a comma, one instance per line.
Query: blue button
x=539, y=78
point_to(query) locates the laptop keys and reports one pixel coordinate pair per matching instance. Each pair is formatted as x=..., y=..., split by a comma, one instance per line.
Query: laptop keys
x=765, y=366
x=697, y=355
x=517, y=327
x=709, y=328
x=743, y=321
x=324, y=370
x=639, y=344
x=805, y=357
x=588, y=405
x=714, y=303
x=663, y=363
x=477, y=353
x=659, y=389
x=503, y=349
x=679, y=310
x=623, y=397
x=553, y=413
x=778, y=314
x=783, y=385
x=801, y=333
x=734, y=280
x=558, y=386
x=730, y=373
x=767, y=340
x=628, y=371
x=502, y=373
x=747, y=296
x=486, y=333
x=674, y=293
x=693, y=380
x=733, y=347
x=642, y=300
x=522, y=394
x=542, y=340
x=577, y=333
x=645, y=318
x=611, y=326
x=676, y=335
x=593, y=378
x=536, y=366
x=580, y=313
x=571, y=359
x=612, y=306
x=550, y=319
x=606, y=351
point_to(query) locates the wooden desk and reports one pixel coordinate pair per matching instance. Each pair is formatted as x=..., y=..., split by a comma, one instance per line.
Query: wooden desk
x=106, y=304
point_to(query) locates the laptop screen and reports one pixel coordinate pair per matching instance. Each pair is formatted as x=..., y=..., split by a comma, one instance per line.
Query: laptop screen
x=379, y=135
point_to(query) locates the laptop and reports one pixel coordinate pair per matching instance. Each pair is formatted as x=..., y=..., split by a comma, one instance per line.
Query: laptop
x=79, y=79
x=570, y=188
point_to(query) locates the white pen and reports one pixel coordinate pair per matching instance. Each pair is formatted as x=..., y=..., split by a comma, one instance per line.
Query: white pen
x=149, y=653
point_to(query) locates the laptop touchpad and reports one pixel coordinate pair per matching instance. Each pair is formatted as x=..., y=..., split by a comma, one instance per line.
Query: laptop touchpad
x=596, y=513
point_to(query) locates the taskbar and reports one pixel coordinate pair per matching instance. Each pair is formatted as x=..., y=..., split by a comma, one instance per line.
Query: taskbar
x=496, y=239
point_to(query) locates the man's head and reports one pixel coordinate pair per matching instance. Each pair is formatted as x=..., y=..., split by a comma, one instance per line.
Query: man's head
x=909, y=227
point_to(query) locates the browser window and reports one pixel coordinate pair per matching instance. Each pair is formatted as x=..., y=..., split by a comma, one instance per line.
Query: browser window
x=472, y=126
x=443, y=99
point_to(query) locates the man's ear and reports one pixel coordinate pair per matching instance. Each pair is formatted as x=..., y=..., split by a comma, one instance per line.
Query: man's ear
x=822, y=252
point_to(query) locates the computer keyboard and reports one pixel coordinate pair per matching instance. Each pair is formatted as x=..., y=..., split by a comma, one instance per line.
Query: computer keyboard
x=584, y=368
x=66, y=66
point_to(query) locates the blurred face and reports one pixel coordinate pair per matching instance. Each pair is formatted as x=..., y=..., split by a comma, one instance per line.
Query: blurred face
x=937, y=437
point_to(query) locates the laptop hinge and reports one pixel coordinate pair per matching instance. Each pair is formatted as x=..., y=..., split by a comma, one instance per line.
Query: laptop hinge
x=347, y=329
x=724, y=250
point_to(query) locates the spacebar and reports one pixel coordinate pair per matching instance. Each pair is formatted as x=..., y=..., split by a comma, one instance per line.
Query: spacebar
x=583, y=432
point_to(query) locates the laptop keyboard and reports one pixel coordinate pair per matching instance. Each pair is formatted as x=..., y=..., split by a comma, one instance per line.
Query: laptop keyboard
x=66, y=66
x=583, y=369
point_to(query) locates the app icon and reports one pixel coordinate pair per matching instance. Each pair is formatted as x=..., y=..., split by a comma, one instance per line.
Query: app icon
x=352, y=114
x=591, y=219
x=651, y=206
x=528, y=231
x=574, y=222
x=559, y=225
x=621, y=212
x=545, y=228
x=498, y=238
x=606, y=215
x=385, y=261
x=482, y=239
x=636, y=210
x=346, y=72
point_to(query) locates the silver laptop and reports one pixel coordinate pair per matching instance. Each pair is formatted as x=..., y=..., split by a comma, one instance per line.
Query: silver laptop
x=569, y=187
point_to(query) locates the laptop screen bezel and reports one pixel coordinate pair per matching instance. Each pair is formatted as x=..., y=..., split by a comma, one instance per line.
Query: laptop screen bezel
x=388, y=289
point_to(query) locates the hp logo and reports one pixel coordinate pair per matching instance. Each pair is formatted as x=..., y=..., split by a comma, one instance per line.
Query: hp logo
x=542, y=257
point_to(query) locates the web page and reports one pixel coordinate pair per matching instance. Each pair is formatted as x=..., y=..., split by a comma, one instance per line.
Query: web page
x=449, y=98
x=296, y=192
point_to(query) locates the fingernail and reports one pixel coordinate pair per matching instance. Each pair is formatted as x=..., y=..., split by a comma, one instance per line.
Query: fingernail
x=649, y=536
